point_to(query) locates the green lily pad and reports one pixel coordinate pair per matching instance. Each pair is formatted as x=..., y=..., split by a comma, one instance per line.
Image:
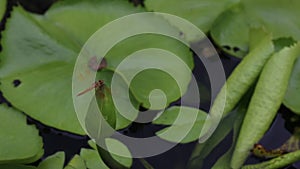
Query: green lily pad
x=56, y=107
x=159, y=61
x=80, y=19
x=19, y=142
x=77, y=162
x=14, y=134
x=231, y=28
x=201, y=13
x=56, y=161
x=183, y=128
x=44, y=73
x=150, y=79
x=292, y=98
x=2, y=8
x=117, y=150
x=92, y=159
x=38, y=58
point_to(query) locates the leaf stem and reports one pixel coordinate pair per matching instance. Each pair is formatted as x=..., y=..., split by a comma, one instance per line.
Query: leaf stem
x=146, y=164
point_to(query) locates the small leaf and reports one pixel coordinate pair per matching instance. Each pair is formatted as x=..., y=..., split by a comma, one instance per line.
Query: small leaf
x=19, y=142
x=92, y=159
x=118, y=151
x=292, y=97
x=56, y=161
x=184, y=127
x=76, y=163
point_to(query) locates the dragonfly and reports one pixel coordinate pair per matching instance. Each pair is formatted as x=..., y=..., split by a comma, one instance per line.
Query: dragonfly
x=93, y=64
x=96, y=85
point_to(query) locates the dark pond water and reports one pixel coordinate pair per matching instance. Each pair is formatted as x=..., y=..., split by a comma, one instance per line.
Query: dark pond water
x=176, y=158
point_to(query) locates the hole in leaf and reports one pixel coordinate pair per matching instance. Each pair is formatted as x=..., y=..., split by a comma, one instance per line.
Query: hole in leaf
x=17, y=83
x=137, y=2
x=236, y=49
x=227, y=47
x=181, y=34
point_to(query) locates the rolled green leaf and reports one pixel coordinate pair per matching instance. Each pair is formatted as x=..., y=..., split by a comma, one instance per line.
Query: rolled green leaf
x=241, y=79
x=265, y=102
x=245, y=74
